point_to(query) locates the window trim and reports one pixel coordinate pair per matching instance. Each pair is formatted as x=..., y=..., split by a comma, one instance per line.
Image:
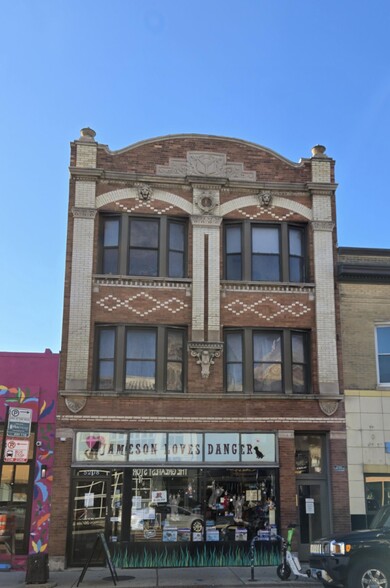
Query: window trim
x=163, y=249
x=284, y=255
x=377, y=354
x=120, y=332
x=287, y=363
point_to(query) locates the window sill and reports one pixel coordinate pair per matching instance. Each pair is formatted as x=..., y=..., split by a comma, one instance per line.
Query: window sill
x=144, y=281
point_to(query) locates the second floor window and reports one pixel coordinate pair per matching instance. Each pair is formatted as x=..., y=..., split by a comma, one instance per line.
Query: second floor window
x=138, y=246
x=140, y=358
x=383, y=354
x=267, y=361
x=265, y=252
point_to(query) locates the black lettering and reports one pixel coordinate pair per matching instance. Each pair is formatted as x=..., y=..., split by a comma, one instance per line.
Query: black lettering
x=138, y=448
x=234, y=448
x=146, y=448
x=226, y=448
x=153, y=448
x=210, y=449
x=218, y=449
x=197, y=449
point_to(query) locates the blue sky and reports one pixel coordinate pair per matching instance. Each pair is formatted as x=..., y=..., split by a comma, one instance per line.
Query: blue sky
x=283, y=74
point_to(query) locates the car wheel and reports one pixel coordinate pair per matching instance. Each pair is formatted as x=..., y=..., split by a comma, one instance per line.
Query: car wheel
x=197, y=526
x=284, y=571
x=369, y=574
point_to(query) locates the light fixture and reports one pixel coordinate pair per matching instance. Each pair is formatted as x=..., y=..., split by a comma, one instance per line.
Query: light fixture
x=43, y=471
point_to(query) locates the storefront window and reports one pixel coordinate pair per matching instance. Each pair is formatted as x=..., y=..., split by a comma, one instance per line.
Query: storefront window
x=377, y=490
x=190, y=505
x=14, y=498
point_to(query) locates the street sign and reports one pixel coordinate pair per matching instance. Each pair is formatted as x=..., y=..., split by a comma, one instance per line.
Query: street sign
x=19, y=422
x=16, y=450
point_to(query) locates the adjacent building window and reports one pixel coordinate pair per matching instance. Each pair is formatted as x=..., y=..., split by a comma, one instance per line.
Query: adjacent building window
x=266, y=361
x=140, y=358
x=265, y=252
x=139, y=246
x=383, y=354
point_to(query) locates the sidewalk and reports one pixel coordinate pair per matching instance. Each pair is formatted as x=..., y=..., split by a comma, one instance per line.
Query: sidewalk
x=234, y=577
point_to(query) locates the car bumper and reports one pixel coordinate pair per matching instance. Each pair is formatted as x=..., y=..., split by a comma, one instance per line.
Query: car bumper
x=335, y=568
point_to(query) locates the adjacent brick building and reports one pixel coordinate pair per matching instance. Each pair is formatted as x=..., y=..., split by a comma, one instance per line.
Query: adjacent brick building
x=200, y=394
x=364, y=281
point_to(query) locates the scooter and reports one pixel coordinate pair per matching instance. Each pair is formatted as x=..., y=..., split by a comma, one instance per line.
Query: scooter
x=290, y=562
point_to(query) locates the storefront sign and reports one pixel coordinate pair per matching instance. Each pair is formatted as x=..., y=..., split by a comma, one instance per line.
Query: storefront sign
x=104, y=447
x=19, y=422
x=309, y=505
x=16, y=450
x=182, y=447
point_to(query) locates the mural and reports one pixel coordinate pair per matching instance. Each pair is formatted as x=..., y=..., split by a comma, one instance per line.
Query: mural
x=42, y=405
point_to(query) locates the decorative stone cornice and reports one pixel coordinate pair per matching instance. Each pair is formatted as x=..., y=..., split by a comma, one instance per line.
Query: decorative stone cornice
x=205, y=352
x=206, y=220
x=326, y=226
x=85, y=174
x=325, y=189
x=88, y=213
x=205, y=164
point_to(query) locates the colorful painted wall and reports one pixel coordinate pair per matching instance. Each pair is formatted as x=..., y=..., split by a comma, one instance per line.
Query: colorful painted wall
x=30, y=380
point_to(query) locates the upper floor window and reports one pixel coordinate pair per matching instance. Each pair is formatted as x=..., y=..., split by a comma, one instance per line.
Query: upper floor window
x=140, y=358
x=383, y=354
x=143, y=246
x=269, y=361
x=265, y=252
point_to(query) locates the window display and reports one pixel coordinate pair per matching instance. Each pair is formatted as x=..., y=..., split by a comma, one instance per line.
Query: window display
x=183, y=505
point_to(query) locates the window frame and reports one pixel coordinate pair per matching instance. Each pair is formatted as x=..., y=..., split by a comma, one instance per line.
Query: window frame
x=378, y=354
x=120, y=358
x=247, y=352
x=163, y=248
x=247, y=254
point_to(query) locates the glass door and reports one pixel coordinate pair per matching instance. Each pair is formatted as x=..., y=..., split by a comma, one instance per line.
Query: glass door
x=313, y=512
x=89, y=512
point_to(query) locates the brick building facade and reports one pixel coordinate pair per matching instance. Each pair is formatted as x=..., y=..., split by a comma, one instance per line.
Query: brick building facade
x=200, y=394
x=364, y=282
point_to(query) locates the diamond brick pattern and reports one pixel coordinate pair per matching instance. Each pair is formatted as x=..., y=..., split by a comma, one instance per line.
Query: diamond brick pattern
x=143, y=204
x=111, y=303
x=264, y=211
x=238, y=307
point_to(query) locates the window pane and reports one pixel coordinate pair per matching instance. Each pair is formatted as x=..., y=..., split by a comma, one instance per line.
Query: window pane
x=267, y=347
x=233, y=240
x=110, y=261
x=176, y=236
x=267, y=377
x=234, y=377
x=298, y=347
x=383, y=337
x=266, y=268
x=296, y=269
x=140, y=375
x=176, y=264
x=174, y=376
x=141, y=344
x=265, y=240
x=234, y=347
x=106, y=375
x=107, y=343
x=233, y=267
x=144, y=233
x=143, y=262
x=298, y=376
x=296, y=242
x=111, y=233
x=175, y=345
x=384, y=369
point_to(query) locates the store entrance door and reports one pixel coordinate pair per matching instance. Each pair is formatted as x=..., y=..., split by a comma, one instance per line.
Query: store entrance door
x=88, y=517
x=313, y=512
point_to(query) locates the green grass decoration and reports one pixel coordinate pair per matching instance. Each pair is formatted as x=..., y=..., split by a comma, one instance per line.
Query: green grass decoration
x=204, y=557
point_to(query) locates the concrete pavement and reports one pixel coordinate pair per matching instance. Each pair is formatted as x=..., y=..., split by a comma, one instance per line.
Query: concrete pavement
x=234, y=577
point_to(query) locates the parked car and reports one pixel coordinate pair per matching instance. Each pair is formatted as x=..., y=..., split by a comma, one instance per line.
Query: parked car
x=360, y=559
x=167, y=515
